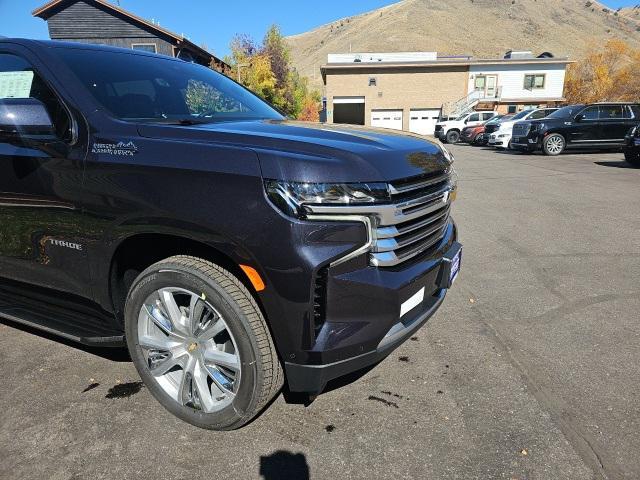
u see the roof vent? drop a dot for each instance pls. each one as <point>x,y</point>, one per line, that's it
<point>546,55</point>
<point>513,54</point>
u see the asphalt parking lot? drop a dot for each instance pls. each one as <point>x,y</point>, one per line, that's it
<point>529,371</point>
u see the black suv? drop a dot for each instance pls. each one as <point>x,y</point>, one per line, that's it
<point>632,146</point>
<point>154,202</point>
<point>602,125</point>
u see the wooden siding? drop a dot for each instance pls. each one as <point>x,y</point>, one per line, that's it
<point>162,47</point>
<point>82,20</point>
<point>90,21</point>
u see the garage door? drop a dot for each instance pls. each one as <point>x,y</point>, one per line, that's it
<point>423,122</point>
<point>386,119</point>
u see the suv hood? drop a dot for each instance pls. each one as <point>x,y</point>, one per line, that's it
<point>508,125</point>
<point>314,152</point>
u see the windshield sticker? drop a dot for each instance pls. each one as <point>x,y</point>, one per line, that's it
<point>15,84</point>
<point>121,148</point>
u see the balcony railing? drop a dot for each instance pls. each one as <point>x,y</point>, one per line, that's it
<point>465,104</point>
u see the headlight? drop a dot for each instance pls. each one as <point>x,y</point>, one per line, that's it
<point>537,127</point>
<point>447,154</point>
<point>291,197</point>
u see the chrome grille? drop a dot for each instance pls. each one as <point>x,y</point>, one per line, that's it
<point>491,128</point>
<point>421,213</point>
<point>413,222</point>
<point>521,129</point>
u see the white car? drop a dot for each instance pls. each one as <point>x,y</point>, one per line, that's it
<point>449,131</point>
<point>501,138</point>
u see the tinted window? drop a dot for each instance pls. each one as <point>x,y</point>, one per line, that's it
<point>565,112</point>
<point>18,79</point>
<point>635,109</point>
<point>590,113</point>
<point>145,88</point>
<point>626,112</point>
<point>487,116</point>
<point>611,112</point>
<point>474,118</point>
<point>520,115</point>
<point>537,114</point>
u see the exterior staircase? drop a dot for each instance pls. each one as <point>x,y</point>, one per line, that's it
<point>466,104</point>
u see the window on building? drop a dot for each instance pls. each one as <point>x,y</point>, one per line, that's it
<point>372,81</point>
<point>480,82</point>
<point>512,109</point>
<point>534,81</point>
<point>145,47</point>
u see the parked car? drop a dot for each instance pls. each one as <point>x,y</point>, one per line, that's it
<point>594,126</point>
<point>491,126</point>
<point>632,146</point>
<point>449,131</point>
<point>474,135</point>
<point>501,138</point>
<point>156,202</point>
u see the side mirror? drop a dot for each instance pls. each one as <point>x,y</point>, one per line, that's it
<point>466,121</point>
<point>579,117</point>
<point>26,118</point>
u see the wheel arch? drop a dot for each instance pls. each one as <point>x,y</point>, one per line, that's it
<point>136,252</point>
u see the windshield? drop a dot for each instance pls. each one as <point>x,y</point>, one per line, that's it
<point>520,115</point>
<point>144,88</point>
<point>566,112</point>
<point>498,119</point>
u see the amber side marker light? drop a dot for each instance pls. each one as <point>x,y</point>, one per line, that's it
<point>254,277</point>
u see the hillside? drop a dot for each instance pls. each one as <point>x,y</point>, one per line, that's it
<point>483,28</point>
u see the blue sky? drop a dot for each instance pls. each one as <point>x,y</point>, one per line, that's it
<point>213,22</point>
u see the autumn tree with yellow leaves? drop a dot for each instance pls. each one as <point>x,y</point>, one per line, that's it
<point>266,70</point>
<point>606,74</point>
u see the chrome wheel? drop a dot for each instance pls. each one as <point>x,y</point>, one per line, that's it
<point>189,349</point>
<point>555,144</point>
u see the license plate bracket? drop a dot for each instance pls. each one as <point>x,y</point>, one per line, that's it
<point>450,268</point>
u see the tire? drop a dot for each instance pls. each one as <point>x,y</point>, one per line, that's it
<point>453,136</point>
<point>216,370</point>
<point>554,144</point>
<point>632,159</point>
<point>476,141</point>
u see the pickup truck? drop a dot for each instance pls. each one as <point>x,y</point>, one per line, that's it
<point>154,203</point>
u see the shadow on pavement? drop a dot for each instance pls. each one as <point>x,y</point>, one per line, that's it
<point>618,164</point>
<point>284,465</point>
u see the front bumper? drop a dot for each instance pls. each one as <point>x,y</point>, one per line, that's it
<point>365,309</point>
<point>529,143</point>
<point>497,141</point>
<point>631,145</point>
